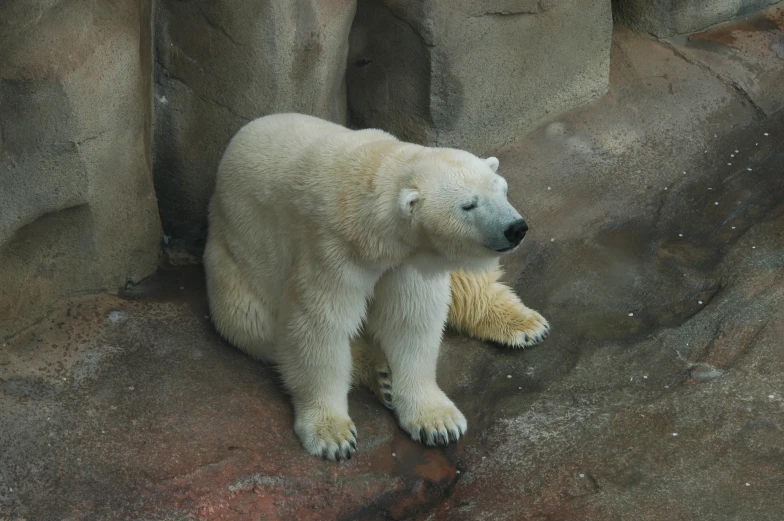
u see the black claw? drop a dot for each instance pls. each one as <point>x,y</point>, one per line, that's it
<point>383,374</point>
<point>354,432</point>
<point>386,385</point>
<point>443,439</point>
<point>337,455</point>
<point>324,453</point>
<point>348,454</point>
<point>388,396</point>
<point>422,434</point>
<point>353,444</point>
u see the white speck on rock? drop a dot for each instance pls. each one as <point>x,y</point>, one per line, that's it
<point>674,434</point>
<point>549,187</point>
<point>552,240</point>
<point>116,316</point>
<point>749,169</point>
<point>753,247</point>
<point>457,471</point>
<point>509,376</point>
<point>699,302</point>
<point>631,314</point>
<point>772,396</point>
<point>393,454</point>
<point>736,151</point>
<point>665,187</point>
<point>78,459</point>
<point>645,376</point>
<point>716,203</point>
<point>732,155</point>
<point>130,388</point>
<point>582,476</point>
<point>765,134</point>
<point>182,287</point>
<point>520,388</point>
<point>680,235</point>
<point>666,386</point>
<point>733,227</point>
<point>729,164</point>
<point>748,484</point>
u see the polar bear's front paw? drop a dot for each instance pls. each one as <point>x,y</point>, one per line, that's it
<point>529,329</point>
<point>435,423</point>
<point>326,435</point>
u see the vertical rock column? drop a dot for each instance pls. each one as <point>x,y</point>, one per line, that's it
<point>220,64</point>
<point>475,74</point>
<point>77,204</point>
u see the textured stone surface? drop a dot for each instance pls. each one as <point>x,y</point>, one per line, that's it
<point>671,17</point>
<point>759,55</point>
<point>77,206</point>
<point>472,74</point>
<point>222,63</point>
<point>131,407</point>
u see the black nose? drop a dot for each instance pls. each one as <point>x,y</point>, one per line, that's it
<point>516,231</point>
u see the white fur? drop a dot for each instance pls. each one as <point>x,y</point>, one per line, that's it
<point>311,221</point>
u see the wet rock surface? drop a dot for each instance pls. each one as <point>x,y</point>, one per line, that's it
<point>659,395</point>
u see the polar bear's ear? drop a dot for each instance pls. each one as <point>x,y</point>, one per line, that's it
<point>406,201</point>
<point>492,162</point>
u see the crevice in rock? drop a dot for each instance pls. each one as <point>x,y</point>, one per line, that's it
<point>174,77</point>
<point>218,28</point>
<point>759,113</point>
<point>413,28</point>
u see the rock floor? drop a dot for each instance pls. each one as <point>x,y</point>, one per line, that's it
<point>656,251</point>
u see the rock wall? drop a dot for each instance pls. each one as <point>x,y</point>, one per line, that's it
<point>220,64</point>
<point>77,204</point>
<point>665,18</point>
<point>473,74</point>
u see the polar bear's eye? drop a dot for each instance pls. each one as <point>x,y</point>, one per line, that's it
<point>470,206</point>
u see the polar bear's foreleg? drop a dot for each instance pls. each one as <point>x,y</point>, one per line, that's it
<point>487,309</point>
<point>314,359</point>
<point>407,319</point>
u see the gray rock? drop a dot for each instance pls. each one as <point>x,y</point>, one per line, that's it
<point>670,17</point>
<point>78,208</point>
<point>473,74</point>
<point>220,64</point>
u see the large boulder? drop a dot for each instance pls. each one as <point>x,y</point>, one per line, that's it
<point>77,204</point>
<point>220,64</point>
<point>665,18</point>
<point>474,74</point>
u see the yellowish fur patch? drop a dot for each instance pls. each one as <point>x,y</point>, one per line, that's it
<point>484,308</point>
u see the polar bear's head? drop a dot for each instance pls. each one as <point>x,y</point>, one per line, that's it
<point>457,202</point>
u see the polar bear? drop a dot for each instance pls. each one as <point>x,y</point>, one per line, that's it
<point>338,255</point>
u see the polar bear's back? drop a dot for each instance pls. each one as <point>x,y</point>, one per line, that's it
<point>280,152</point>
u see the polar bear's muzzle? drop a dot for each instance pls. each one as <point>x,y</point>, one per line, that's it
<point>514,233</point>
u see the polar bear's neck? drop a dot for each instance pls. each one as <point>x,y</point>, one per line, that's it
<point>369,219</point>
